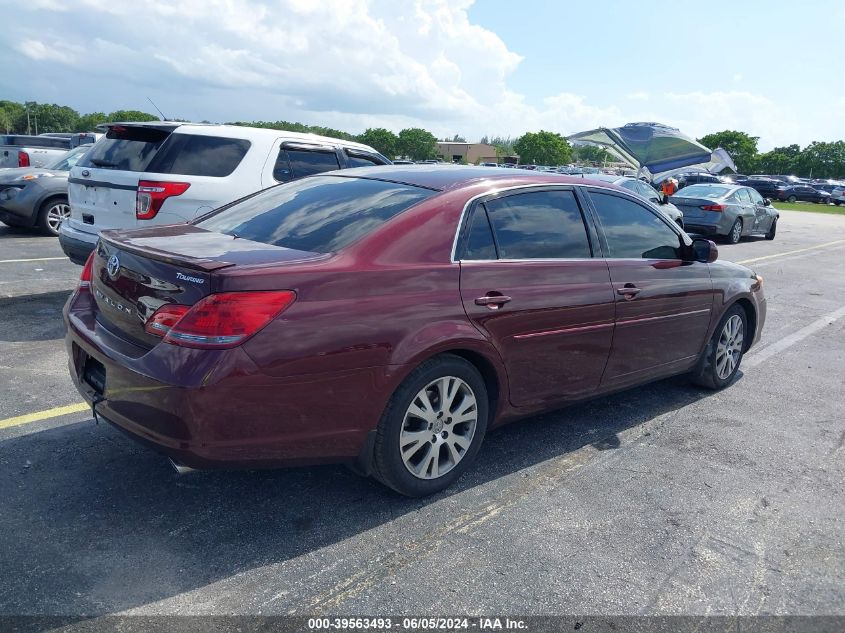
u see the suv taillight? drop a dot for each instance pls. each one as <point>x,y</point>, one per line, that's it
<point>23,159</point>
<point>219,320</point>
<point>151,195</point>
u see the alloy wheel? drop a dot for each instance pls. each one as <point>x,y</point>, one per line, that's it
<point>438,427</point>
<point>729,347</point>
<point>57,214</point>
<point>736,232</point>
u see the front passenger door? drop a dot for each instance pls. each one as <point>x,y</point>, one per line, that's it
<point>663,301</point>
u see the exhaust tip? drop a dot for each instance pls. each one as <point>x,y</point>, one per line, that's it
<point>181,469</point>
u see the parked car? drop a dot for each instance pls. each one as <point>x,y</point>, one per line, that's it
<point>642,188</point>
<point>837,196</point>
<point>389,318</point>
<point>685,180</point>
<point>165,172</point>
<point>18,150</point>
<point>805,193</point>
<point>37,196</point>
<point>766,187</point>
<point>730,211</point>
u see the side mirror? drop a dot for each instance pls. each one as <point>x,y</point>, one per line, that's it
<point>767,202</point>
<point>704,250</point>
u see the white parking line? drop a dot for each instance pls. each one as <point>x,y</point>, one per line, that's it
<point>36,259</point>
<point>755,358</point>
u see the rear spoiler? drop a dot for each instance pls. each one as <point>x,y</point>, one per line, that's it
<point>197,263</point>
<point>163,126</point>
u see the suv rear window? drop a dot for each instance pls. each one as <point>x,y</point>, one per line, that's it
<point>321,214</point>
<point>126,149</point>
<point>194,155</point>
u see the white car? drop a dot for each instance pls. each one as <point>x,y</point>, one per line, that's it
<point>837,196</point>
<point>142,174</point>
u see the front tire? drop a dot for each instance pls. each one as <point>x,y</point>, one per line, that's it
<point>791,199</point>
<point>735,234</point>
<point>52,214</point>
<point>720,360</point>
<point>773,229</point>
<point>432,427</point>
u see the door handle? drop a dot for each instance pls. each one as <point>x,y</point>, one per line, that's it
<point>492,301</point>
<point>629,291</point>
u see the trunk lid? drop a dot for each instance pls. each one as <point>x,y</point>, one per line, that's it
<point>136,272</point>
<point>691,207</point>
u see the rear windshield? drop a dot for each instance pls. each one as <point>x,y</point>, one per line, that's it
<point>159,151</point>
<point>126,149</point>
<point>703,191</point>
<point>320,214</point>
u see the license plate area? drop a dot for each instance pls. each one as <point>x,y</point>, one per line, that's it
<point>94,375</point>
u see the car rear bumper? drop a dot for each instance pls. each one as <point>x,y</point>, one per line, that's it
<point>214,408</point>
<point>701,229</point>
<point>76,244</point>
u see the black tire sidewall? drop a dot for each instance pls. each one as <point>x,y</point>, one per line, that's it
<point>720,383</point>
<point>389,467</point>
<point>42,215</point>
<point>772,230</point>
<point>731,239</point>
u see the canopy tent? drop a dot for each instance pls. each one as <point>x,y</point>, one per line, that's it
<point>653,147</point>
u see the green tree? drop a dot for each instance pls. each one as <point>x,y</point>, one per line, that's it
<point>131,115</point>
<point>417,143</point>
<point>741,146</point>
<point>543,148</point>
<point>591,154</point>
<point>457,139</point>
<point>382,140</point>
<point>12,117</point>
<point>89,122</point>
<point>781,160</point>
<point>54,118</point>
<point>822,160</point>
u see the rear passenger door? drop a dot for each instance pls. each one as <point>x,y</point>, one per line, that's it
<point>663,302</point>
<point>761,211</point>
<point>530,284</point>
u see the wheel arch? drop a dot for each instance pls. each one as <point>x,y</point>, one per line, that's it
<point>750,319</point>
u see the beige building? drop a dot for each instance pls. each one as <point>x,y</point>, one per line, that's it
<point>472,153</point>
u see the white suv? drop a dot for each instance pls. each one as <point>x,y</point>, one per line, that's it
<point>164,172</point>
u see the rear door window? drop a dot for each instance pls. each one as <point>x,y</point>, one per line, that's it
<point>539,225</point>
<point>194,155</point>
<point>357,159</point>
<point>634,232</point>
<point>295,163</point>
<point>479,243</point>
<point>321,214</point>
<point>126,148</point>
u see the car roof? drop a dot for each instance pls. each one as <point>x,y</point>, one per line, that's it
<point>239,131</point>
<point>445,177</point>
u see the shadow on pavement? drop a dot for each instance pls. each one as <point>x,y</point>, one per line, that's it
<point>33,317</point>
<point>92,523</point>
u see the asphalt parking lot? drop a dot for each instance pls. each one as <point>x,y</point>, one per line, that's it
<point>662,500</point>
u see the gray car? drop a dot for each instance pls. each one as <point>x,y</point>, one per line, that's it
<point>729,211</point>
<point>644,190</point>
<point>37,196</point>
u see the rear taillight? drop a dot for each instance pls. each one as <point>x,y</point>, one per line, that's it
<point>219,320</point>
<point>151,195</point>
<point>23,159</point>
<point>165,318</point>
<point>87,272</point>
<point>714,207</point>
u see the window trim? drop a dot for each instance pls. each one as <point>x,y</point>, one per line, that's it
<point>588,190</point>
<point>478,201</point>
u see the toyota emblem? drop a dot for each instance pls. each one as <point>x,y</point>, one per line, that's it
<point>113,266</point>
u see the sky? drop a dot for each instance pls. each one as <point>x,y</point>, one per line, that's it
<point>474,68</point>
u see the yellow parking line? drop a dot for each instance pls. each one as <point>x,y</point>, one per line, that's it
<point>43,415</point>
<point>800,250</point>
<point>36,259</point>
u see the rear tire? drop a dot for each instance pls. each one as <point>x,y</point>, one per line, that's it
<point>432,428</point>
<point>773,229</point>
<point>719,363</point>
<point>791,199</point>
<point>52,214</point>
<point>735,234</point>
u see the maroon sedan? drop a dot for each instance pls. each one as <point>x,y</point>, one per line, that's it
<point>388,317</point>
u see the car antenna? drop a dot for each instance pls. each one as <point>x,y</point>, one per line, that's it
<point>163,118</point>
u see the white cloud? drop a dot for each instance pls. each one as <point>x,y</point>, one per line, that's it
<point>341,63</point>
